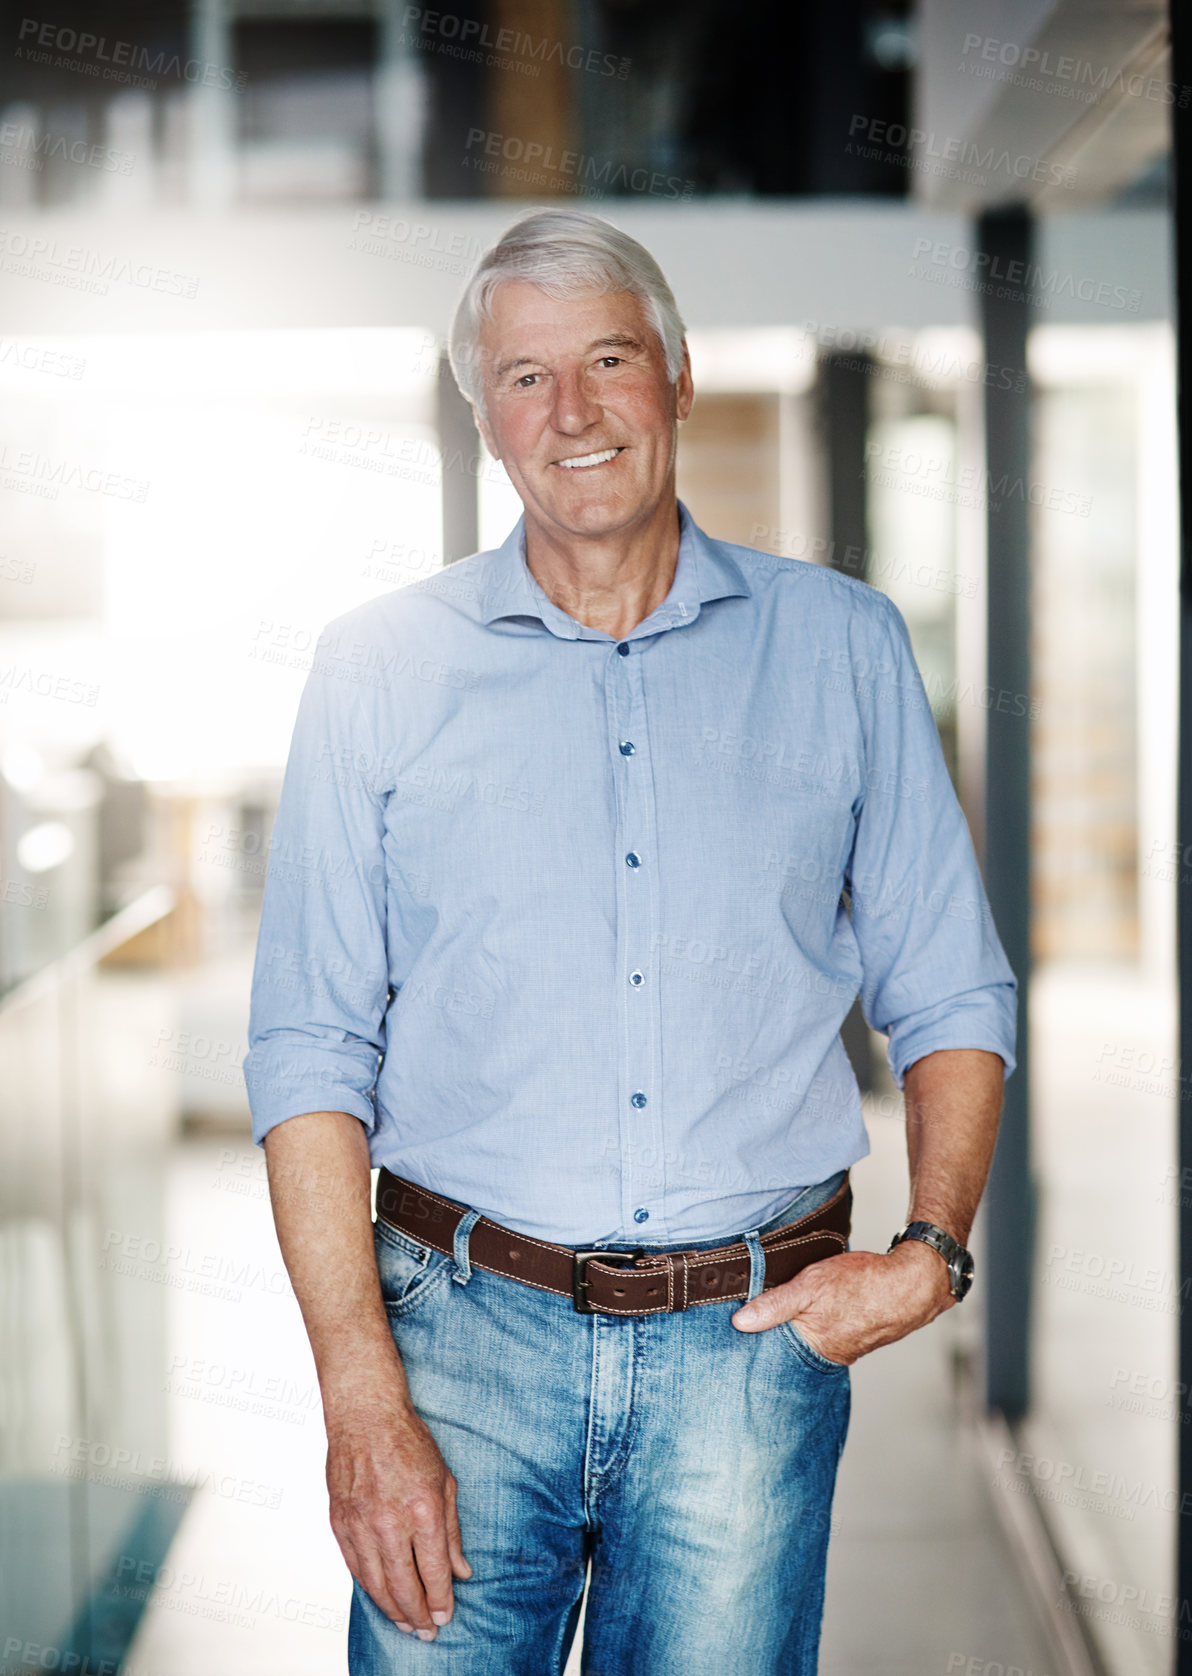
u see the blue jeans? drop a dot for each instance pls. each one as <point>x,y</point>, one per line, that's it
<point>691,1464</point>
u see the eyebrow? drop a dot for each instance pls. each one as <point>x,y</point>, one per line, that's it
<point>618,340</point>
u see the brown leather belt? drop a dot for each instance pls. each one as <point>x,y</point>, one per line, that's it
<point>612,1282</point>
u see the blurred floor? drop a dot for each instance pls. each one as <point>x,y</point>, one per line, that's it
<point>919,1578</point>
<point>253,1584</point>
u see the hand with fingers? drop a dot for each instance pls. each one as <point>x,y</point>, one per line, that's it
<point>393,1512</point>
<point>847,1306</point>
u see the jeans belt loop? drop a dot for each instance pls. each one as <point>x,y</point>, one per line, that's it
<point>459,1247</point>
<point>757,1264</point>
<point>665,1283</point>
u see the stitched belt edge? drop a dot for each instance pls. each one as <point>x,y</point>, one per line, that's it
<point>659,1283</point>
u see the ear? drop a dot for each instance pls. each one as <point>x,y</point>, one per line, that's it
<point>684,387</point>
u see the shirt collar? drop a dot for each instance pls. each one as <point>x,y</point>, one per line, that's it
<point>704,571</point>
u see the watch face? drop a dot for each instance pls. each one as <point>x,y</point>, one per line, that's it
<point>961,1268</point>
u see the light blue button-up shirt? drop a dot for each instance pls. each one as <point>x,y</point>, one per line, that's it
<point>571,924</point>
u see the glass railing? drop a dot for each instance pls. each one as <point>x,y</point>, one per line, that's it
<point>86,1117</point>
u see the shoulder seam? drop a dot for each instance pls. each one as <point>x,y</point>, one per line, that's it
<point>801,567</point>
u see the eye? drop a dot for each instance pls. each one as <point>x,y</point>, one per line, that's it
<point>610,360</point>
<point>523,383</point>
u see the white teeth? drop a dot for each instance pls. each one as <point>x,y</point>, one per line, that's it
<point>590,459</point>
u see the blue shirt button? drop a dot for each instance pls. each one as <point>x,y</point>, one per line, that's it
<point>623,648</point>
<point>633,859</point>
<point>636,979</point>
<point>627,747</point>
<point>641,1216</point>
<point>637,1099</point>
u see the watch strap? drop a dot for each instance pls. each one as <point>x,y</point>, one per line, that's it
<point>931,1235</point>
<point>959,1261</point>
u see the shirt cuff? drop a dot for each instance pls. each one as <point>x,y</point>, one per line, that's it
<point>940,1037</point>
<point>314,1095</point>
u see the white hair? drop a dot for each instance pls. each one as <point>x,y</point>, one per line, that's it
<point>562,251</point>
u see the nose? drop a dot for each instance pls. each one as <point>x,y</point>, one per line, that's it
<point>575,408</point>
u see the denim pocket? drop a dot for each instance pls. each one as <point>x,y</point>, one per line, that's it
<point>408,1269</point>
<point>805,1352</point>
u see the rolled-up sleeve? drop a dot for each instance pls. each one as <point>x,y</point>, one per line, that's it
<point>935,974</point>
<point>320,984</point>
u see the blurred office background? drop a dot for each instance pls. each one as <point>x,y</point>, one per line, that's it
<point>232,233</point>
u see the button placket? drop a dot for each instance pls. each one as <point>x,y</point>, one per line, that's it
<point>637,910</point>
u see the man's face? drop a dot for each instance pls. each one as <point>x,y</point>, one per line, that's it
<point>580,411</point>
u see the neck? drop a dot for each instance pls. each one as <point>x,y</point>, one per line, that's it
<point>609,582</point>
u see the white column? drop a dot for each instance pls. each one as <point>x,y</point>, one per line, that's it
<point>212,107</point>
<point>400,93</point>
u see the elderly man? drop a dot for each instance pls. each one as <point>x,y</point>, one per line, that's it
<point>585,847</point>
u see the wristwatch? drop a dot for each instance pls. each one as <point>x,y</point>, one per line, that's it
<point>959,1261</point>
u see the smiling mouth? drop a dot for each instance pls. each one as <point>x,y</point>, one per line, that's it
<point>580,462</point>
